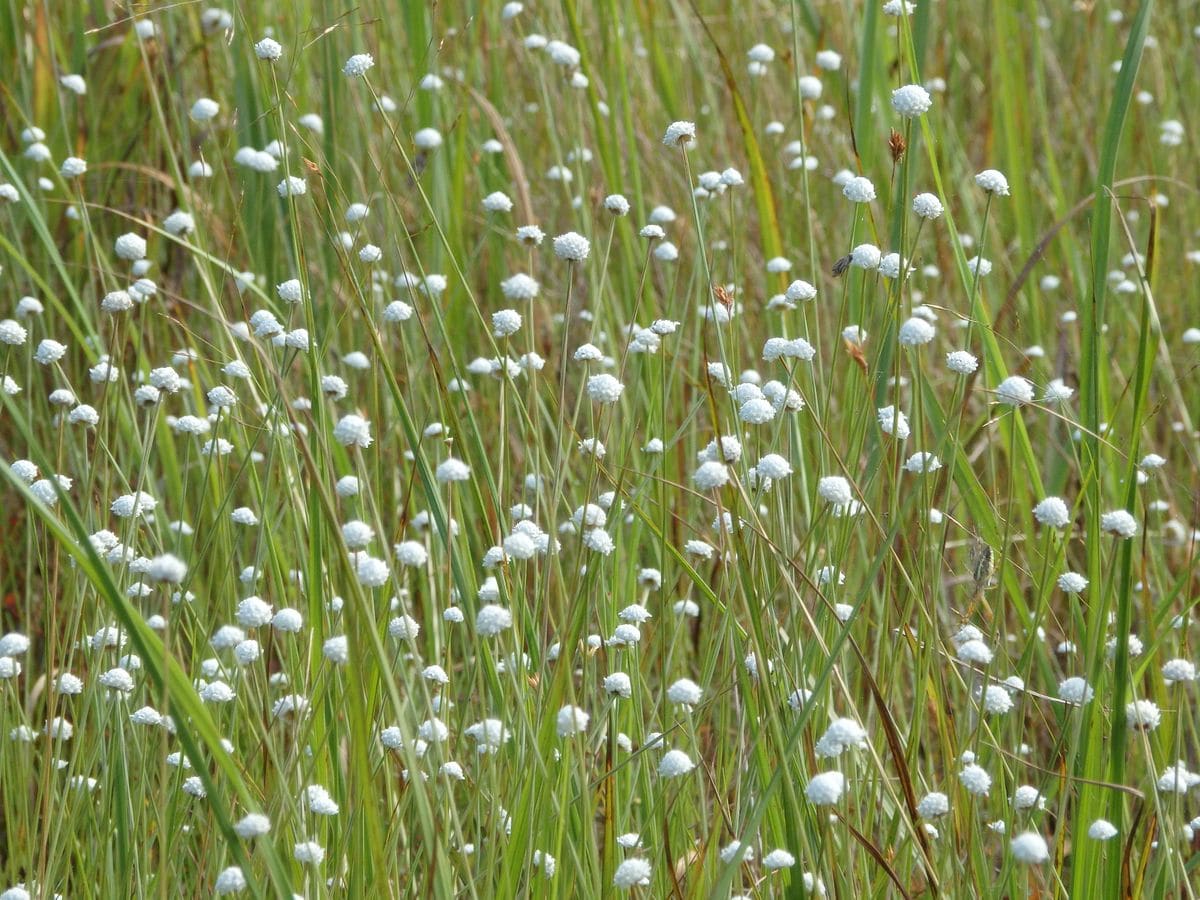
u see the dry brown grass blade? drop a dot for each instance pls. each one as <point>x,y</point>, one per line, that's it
<point>877,855</point>
<point>856,354</point>
<point>902,773</point>
<point>510,152</point>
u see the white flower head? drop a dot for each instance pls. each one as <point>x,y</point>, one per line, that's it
<point>572,247</point>
<point>911,101</point>
<point>680,134</point>
<point>357,65</point>
<point>993,182</point>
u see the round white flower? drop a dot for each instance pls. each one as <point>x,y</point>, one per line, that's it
<point>1052,512</point>
<point>572,247</point>
<point>826,788</point>
<point>916,331</point>
<point>1076,691</point>
<point>268,49</point>
<point>1101,830</point>
<point>993,182</point>
<point>911,100</point>
<point>778,859</point>
<point>492,619</point>
<point>571,720</point>
<point>674,764</point>
<point>927,206</point>
<point>933,804</point>
<point>358,64</point>
<point>204,109</point>
<point>1014,391</point>
<point>631,873</point>
<point>680,134</point>
<point>604,388</point>
<point>353,431</point>
<point>1119,522</point>
<point>961,362</point>
<point>1030,847</point>
<point>859,189</point>
<point>835,489</point>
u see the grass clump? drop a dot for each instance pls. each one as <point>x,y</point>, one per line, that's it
<point>576,449</point>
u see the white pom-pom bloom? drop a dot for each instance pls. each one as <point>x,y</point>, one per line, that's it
<point>497,201</point>
<point>268,49</point>
<point>800,290</point>
<point>352,431</point>
<point>773,466</point>
<point>631,873</point>
<point>1142,715</point>
<point>230,881</point>
<point>835,489</point>
<point>168,568</point>
<point>736,850</point>
<point>675,763</point>
<point>292,186</point>
<point>859,189</point>
<point>922,463</point>
<point>451,470</point>
<point>680,134</point>
<point>604,388</point>
<point>1014,391</point>
<point>1030,847</point>
<point>1052,512</point>
<point>74,83</point>
<point>927,206</point>
<point>1101,830</point>
<point>616,204</point>
<point>866,256</point>
<point>1120,523</point>
<point>829,60</point>
<point>756,411</point>
<point>618,685</point>
<point>893,422</point>
<point>685,692</point>
<point>1178,670</point>
<point>778,859</point>
<point>975,779</point>
<point>911,100</point>
<point>519,287</point>
<point>710,476</point>
<point>571,720</point>
<point>506,322</point>
<point>826,788</point>
<point>916,331</point>
<point>72,166</point>
<point>1076,691</point>
<point>841,735</point>
<point>783,348</point>
<point>997,700</point>
<point>1072,582</point>
<point>252,826</point>
<point>932,805</point>
<point>975,651</point>
<point>204,109</point>
<point>961,362</point>
<point>993,182</point>
<point>357,65</point>
<point>492,619</point>
<point>809,87</point>
<point>131,247</point>
<point>572,247</point>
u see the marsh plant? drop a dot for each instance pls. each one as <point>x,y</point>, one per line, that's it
<point>580,449</point>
